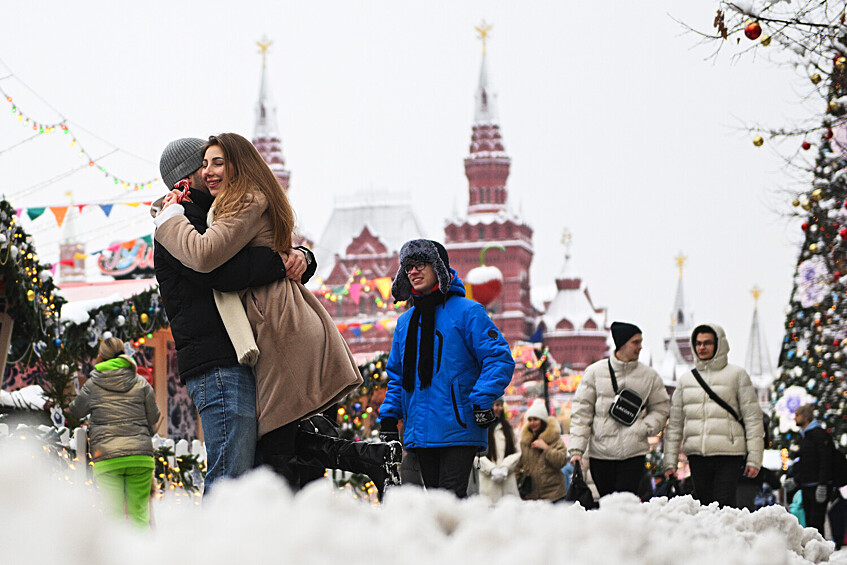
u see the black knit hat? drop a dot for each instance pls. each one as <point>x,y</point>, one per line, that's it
<point>179,159</point>
<point>421,251</point>
<point>622,332</point>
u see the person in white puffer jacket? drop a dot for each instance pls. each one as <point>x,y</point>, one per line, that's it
<point>718,446</point>
<point>617,452</point>
<point>497,465</point>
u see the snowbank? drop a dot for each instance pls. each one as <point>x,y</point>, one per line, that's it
<point>256,520</point>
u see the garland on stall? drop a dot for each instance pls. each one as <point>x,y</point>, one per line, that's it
<point>27,292</point>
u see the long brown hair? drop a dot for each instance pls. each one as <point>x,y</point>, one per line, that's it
<point>246,172</point>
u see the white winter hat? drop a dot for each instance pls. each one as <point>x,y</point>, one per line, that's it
<point>537,410</point>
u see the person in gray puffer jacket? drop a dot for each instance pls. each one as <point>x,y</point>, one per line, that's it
<point>123,418</point>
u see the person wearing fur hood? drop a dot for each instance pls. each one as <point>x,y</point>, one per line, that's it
<point>720,446</point>
<point>122,421</point>
<point>497,465</point>
<point>543,455</point>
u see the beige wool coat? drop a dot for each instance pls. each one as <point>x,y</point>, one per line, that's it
<point>545,467</point>
<point>304,364</point>
<point>701,426</point>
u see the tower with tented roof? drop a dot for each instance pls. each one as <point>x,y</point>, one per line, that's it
<point>489,221</point>
<point>678,357</point>
<point>266,136</point>
<point>758,362</point>
<point>574,329</point>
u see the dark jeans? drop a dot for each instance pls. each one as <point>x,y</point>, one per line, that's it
<point>838,521</point>
<point>815,511</point>
<point>613,475</point>
<point>716,478</point>
<point>447,467</point>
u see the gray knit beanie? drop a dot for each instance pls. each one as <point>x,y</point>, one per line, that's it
<point>179,159</point>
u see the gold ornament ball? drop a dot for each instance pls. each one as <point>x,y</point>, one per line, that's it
<point>144,318</point>
<point>758,141</point>
<point>795,202</point>
<point>841,63</point>
<point>766,40</point>
<point>30,295</point>
<point>813,247</point>
<point>816,194</point>
<point>807,206</point>
<point>834,106</point>
<point>815,78</point>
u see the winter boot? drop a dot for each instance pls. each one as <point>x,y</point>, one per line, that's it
<point>379,461</point>
<point>277,449</point>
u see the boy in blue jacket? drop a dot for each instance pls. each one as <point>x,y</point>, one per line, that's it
<point>447,366</point>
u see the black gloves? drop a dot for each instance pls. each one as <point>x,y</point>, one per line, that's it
<point>484,417</point>
<point>388,430</point>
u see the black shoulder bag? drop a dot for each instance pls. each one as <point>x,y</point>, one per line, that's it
<point>627,403</point>
<point>721,402</point>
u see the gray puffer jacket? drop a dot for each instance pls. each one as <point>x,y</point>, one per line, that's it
<point>122,407</point>
<point>699,423</point>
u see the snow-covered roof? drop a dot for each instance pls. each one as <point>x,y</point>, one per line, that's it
<point>389,216</point>
<point>86,296</point>
<point>574,305</point>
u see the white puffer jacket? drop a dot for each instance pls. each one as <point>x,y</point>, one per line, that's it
<point>701,425</point>
<point>489,488</point>
<point>593,429</point>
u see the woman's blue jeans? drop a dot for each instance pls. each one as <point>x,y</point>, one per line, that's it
<point>225,397</point>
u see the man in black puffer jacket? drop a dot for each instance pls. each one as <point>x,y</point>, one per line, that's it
<point>223,391</point>
<point>813,469</point>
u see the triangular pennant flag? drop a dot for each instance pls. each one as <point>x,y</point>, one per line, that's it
<point>148,239</point>
<point>80,207</point>
<point>128,244</point>
<point>107,209</point>
<point>357,332</point>
<point>133,204</point>
<point>383,285</point>
<point>355,292</point>
<point>18,212</point>
<point>148,203</point>
<point>341,328</point>
<point>59,212</point>
<point>366,327</point>
<point>34,213</point>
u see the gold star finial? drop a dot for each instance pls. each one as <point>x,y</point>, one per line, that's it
<point>680,261</point>
<point>756,292</point>
<point>264,45</point>
<point>483,30</point>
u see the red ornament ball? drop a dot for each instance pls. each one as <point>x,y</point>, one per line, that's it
<point>753,30</point>
<point>843,233</point>
<point>804,226</point>
<point>806,145</point>
<point>827,134</point>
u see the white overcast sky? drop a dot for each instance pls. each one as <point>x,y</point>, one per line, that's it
<point>619,125</point>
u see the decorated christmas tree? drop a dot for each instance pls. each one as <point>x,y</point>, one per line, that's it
<point>811,36</point>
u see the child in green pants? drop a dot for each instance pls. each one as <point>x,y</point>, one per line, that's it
<point>123,418</point>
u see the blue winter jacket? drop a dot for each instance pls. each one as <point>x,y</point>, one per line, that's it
<point>472,366</point>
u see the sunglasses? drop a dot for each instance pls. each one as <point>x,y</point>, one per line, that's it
<point>419,267</point>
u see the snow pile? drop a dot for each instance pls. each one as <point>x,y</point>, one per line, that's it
<point>257,520</point>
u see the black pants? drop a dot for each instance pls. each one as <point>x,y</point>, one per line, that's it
<point>838,521</point>
<point>617,475</point>
<point>716,478</point>
<point>815,511</point>
<point>447,467</point>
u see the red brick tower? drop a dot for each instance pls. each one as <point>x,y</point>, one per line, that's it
<point>266,134</point>
<point>574,328</point>
<point>489,222</point>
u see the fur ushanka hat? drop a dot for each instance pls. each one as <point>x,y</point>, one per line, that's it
<point>421,251</point>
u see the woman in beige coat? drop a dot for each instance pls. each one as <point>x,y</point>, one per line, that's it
<point>304,365</point>
<point>543,455</point>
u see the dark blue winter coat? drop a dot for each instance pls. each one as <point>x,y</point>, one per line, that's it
<point>472,366</point>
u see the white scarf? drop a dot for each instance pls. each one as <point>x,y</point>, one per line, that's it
<point>235,319</point>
